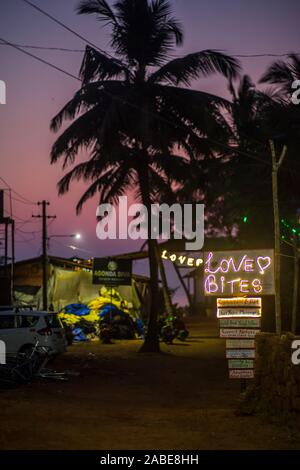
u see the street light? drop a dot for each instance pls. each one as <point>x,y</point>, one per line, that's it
<point>77,236</point>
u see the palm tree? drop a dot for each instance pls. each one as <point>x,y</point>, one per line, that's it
<point>135,114</point>
<point>251,119</point>
<point>283,74</point>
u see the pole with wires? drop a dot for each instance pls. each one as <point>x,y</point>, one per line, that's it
<point>275,167</point>
<point>44,218</point>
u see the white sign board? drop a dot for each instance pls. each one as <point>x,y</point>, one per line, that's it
<point>225,312</point>
<point>240,364</point>
<point>237,333</point>
<point>240,322</point>
<point>240,353</point>
<point>241,374</point>
<point>239,302</point>
<point>240,343</point>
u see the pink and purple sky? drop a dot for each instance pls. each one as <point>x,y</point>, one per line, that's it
<point>36,92</point>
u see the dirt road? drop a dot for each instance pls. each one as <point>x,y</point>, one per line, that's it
<point>181,399</point>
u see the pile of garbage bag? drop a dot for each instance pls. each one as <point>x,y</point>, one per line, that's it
<point>83,322</point>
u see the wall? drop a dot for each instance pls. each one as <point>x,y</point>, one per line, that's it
<point>276,388</point>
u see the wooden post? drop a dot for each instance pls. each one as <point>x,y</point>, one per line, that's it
<point>186,290</point>
<point>295,288</point>
<point>165,287</point>
<point>275,167</point>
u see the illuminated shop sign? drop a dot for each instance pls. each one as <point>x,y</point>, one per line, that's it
<point>248,272</point>
<point>238,312</point>
<point>181,259</point>
<point>240,302</point>
<point>239,307</point>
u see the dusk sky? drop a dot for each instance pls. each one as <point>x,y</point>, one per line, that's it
<point>35,93</point>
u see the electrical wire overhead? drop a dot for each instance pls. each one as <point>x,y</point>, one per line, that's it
<point>24,199</point>
<point>63,25</point>
<point>81,51</point>
<point>225,146</point>
<point>45,62</point>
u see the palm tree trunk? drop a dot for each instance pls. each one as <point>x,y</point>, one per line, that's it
<point>165,287</point>
<point>151,343</point>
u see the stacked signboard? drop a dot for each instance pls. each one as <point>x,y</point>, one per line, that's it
<point>240,321</point>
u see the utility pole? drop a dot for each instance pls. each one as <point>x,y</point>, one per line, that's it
<point>44,218</point>
<point>12,270</point>
<point>275,167</point>
<point>7,281</point>
<point>295,288</point>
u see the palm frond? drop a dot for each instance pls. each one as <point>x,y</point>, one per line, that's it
<point>109,185</point>
<point>119,182</point>
<point>87,96</point>
<point>84,171</point>
<point>97,66</point>
<point>199,64</point>
<point>88,194</point>
<point>283,74</point>
<point>182,106</point>
<point>81,133</point>
<point>98,7</point>
<point>161,10</point>
<point>145,31</point>
<point>278,73</point>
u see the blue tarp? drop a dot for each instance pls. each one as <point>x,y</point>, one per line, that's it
<point>78,335</point>
<point>107,313</point>
<point>140,327</point>
<point>77,309</point>
<point>110,309</point>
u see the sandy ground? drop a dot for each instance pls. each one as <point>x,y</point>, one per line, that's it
<point>181,399</point>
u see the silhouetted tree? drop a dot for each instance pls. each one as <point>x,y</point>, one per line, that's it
<point>136,115</point>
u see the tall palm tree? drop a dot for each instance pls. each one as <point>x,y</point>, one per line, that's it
<point>256,117</point>
<point>134,113</point>
<point>249,166</point>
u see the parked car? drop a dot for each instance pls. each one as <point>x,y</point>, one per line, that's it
<point>20,329</point>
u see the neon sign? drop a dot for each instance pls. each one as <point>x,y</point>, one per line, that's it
<point>239,272</point>
<point>182,259</point>
<point>239,307</point>
<point>239,302</point>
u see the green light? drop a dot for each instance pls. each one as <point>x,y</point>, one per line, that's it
<point>245,219</point>
<point>294,230</point>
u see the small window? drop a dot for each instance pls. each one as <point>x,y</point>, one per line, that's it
<point>53,321</point>
<point>27,321</point>
<point>7,322</point>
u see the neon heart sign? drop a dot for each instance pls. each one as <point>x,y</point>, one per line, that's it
<point>263,262</point>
